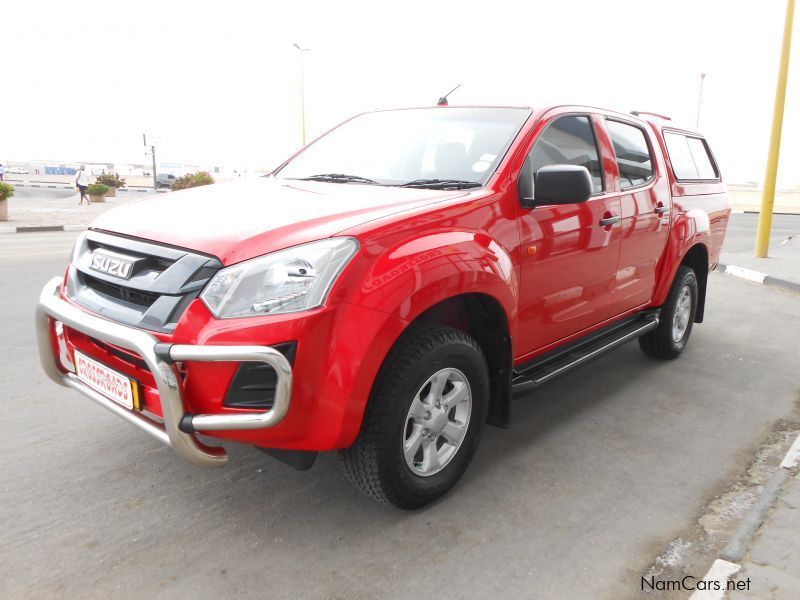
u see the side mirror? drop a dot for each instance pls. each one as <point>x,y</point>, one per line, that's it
<point>560,184</point>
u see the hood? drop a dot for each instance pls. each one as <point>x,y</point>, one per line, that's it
<point>239,220</point>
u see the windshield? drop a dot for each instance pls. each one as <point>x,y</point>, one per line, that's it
<point>422,147</point>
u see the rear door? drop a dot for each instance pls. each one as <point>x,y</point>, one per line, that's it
<point>568,257</point>
<point>645,210</point>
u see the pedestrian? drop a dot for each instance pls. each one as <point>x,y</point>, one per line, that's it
<point>2,171</point>
<point>82,181</point>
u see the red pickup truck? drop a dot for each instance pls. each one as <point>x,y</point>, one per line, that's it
<point>381,292</point>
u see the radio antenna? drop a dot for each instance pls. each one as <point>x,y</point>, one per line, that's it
<point>443,100</point>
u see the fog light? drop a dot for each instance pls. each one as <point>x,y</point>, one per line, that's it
<point>64,355</point>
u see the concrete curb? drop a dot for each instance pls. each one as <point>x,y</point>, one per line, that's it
<point>72,187</point>
<point>758,212</point>
<point>742,538</point>
<point>759,277</point>
<point>42,185</point>
<point>740,542</point>
<point>41,228</point>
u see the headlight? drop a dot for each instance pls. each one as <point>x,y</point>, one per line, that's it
<point>290,280</point>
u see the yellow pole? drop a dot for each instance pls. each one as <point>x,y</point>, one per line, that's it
<point>768,198</point>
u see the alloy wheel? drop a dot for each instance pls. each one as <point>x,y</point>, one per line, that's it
<point>437,422</point>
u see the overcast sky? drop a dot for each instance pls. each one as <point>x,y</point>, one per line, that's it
<point>220,80</point>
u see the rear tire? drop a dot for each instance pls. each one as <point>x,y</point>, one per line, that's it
<point>669,339</point>
<point>424,418</point>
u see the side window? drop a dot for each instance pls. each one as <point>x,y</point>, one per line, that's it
<point>633,154</point>
<point>702,160</point>
<point>568,141</point>
<point>689,157</point>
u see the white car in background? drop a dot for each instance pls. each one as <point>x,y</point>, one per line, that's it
<point>17,171</point>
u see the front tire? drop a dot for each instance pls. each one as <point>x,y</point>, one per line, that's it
<point>669,339</point>
<point>424,418</point>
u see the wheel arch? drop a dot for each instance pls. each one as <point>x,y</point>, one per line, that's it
<point>696,258</point>
<point>461,278</point>
<point>689,244</point>
<point>482,317</point>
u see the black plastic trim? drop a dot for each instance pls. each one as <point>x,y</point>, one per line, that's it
<point>185,424</point>
<point>302,460</point>
<point>253,385</point>
<point>161,350</point>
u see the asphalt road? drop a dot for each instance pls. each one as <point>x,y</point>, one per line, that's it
<point>741,236</point>
<point>41,193</point>
<point>598,473</point>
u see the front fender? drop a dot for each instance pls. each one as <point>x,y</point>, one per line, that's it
<point>402,282</point>
<point>689,228</point>
<point>409,278</point>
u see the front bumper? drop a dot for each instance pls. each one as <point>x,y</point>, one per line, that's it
<point>178,427</point>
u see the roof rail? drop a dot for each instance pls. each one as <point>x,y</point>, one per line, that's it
<point>636,113</point>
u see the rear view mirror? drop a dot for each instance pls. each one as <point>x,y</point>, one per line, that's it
<point>560,184</point>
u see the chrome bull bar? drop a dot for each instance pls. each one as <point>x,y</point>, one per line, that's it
<point>177,430</point>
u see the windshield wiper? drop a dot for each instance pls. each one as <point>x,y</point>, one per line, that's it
<point>340,178</point>
<point>441,184</point>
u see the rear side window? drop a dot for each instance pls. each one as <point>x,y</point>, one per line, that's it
<point>705,168</point>
<point>633,154</point>
<point>568,140</point>
<point>690,157</point>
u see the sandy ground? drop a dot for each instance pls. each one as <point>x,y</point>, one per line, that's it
<point>745,198</point>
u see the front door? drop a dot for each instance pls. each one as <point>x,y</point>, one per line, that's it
<point>568,253</point>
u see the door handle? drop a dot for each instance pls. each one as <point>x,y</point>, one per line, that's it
<point>609,221</point>
<point>660,210</point>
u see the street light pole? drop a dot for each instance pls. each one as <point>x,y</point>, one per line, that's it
<point>155,176</point>
<point>700,101</point>
<point>302,91</point>
<point>768,197</point>
<point>153,154</point>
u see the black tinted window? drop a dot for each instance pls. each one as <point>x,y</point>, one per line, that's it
<point>633,154</point>
<point>689,157</point>
<point>568,141</point>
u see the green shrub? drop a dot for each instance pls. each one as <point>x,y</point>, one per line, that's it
<point>6,191</point>
<point>192,180</point>
<point>111,180</point>
<point>97,189</point>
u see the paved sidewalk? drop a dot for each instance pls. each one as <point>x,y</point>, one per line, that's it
<point>773,562</point>
<point>781,268</point>
<point>36,208</point>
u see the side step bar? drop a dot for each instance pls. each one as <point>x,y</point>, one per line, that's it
<point>548,366</point>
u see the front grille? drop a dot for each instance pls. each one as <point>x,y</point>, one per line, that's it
<point>119,292</point>
<point>161,283</point>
